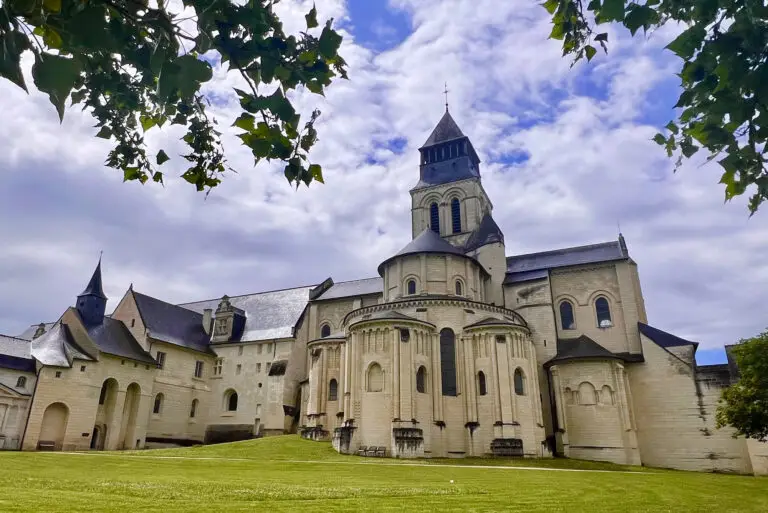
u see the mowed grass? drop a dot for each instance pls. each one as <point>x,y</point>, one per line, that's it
<point>290,474</point>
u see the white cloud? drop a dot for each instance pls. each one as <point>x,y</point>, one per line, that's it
<point>591,164</point>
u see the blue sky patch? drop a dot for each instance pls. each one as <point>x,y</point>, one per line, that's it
<point>377,25</point>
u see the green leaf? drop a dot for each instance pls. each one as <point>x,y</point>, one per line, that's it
<point>640,16</point>
<point>660,139</point>
<point>686,44</point>
<point>104,133</point>
<point>688,148</point>
<point>162,158</point>
<point>330,41</point>
<point>316,172</point>
<point>613,10</point>
<point>594,6</point>
<point>551,6</point>
<point>590,51</point>
<point>192,72</point>
<point>11,47</point>
<point>557,32</point>
<point>602,37</point>
<point>672,127</point>
<point>147,122</point>
<point>311,18</point>
<point>245,121</point>
<point>52,5</point>
<point>55,75</point>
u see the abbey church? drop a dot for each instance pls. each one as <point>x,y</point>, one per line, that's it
<point>452,349</point>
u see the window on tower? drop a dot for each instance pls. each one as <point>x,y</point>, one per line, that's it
<point>456,215</point>
<point>434,218</point>
<point>411,287</point>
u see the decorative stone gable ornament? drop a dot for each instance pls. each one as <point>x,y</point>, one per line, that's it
<point>224,305</point>
<point>39,331</point>
<point>229,321</point>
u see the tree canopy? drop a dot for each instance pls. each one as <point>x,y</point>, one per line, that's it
<point>723,107</point>
<point>744,405</point>
<point>135,65</point>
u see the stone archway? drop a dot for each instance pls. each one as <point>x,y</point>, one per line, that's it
<point>129,419</point>
<point>54,427</point>
<point>105,414</point>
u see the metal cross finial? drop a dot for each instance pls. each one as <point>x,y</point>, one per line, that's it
<point>100,254</point>
<point>446,96</point>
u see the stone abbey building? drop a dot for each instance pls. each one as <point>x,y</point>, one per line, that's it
<point>455,349</point>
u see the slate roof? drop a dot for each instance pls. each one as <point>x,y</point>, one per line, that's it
<point>593,253</point>
<point>113,337</point>
<point>269,315</point>
<point>490,321</point>
<point>580,348</point>
<point>353,288</point>
<point>173,324</point>
<point>487,232</point>
<point>445,130</point>
<point>662,338</point>
<point>16,354</point>
<point>387,315</point>
<point>94,287</point>
<point>525,276</point>
<point>57,348</point>
<point>28,333</point>
<point>426,242</point>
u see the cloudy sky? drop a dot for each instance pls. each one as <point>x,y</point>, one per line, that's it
<point>566,157</point>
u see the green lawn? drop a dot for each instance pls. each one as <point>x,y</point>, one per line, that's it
<point>290,474</point>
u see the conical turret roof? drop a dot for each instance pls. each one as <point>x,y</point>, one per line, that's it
<point>426,242</point>
<point>445,130</point>
<point>94,286</point>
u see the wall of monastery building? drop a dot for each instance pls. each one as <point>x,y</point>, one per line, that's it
<point>676,427</point>
<point>493,258</point>
<point>14,405</point>
<point>582,286</point>
<point>75,394</point>
<point>128,312</point>
<point>595,412</point>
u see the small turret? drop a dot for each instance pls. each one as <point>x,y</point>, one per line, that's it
<point>92,303</point>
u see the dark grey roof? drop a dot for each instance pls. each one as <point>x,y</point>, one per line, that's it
<point>603,252</point>
<point>28,333</point>
<point>387,315</point>
<point>487,233</point>
<point>526,276</point>
<point>113,337</point>
<point>94,286</point>
<point>173,324</point>
<point>426,242</point>
<point>662,338</point>
<point>353,288</point>
<point>269,315</point>
<point>447,171</point>
<point>490,321</point>
<point>579,348</point>
<point>16,354</point>
<point>57,348</point>
<point>445,130</point>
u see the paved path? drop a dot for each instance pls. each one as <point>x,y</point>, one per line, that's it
<point>384,463</point>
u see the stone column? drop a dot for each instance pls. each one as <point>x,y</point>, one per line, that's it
<point>115,423</point>
<point>396,384</point>
<point>342,386</point>
<point>562,434</point>
<point>437,396</point>
<point>348,375</point>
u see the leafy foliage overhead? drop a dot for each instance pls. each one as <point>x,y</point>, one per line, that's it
<point>744,405</point>
<point>135,65</point>
<point>724,74</point>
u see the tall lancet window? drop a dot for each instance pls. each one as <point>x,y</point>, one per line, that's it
<point>456,215</point>
<point>434,218</point>
<point>448,361</point>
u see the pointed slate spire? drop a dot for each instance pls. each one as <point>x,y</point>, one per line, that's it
<point>445,130</point>
<point>94,287</point>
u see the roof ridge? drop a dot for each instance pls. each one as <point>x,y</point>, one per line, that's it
<point>251,294</point>
<point>359,279</point>
<point>16,338</point>
<point>550,251</point>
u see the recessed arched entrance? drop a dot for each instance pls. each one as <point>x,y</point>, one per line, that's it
<point>105,414</point>
<point>53,427</point>
<point>130,414</point>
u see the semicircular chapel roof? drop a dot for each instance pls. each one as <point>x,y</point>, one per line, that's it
<point>426,242</point>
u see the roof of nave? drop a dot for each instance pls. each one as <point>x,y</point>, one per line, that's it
<point>113,337</point>
<point>662,338</point>
<point>353,288</point>
<point>15,353</point>
<point>269,315</point>
<point>487,232</point>
<point>542,261</point>
<point>583,348</point>
<point>173,324</point>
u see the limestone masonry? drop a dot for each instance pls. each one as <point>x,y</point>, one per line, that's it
<point>454,350</point>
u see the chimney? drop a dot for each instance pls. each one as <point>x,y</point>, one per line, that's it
<point>207,320</point>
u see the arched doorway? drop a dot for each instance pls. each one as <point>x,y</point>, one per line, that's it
<point>96,437</point>
<point>53,427</point>
<point>105,414</point>
<point>130,413</point>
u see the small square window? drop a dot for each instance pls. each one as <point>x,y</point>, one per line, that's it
<point>259,385</point>
<point>58,374</point>
<point>122,362</point>
<point>133,323</point>
<point>240,351</point>
<point>160,359</point>
<point>268,366</point>
<point>405,335</point>
<point>259,349</point>
<point>501,339</point>
<point>238,369</point>
<point>198,369</point>
<point>258,368</point>
<point>82,368</point>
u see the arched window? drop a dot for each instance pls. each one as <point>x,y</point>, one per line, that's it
<point>519,382</point>
<point>421,380</point>
<point>375,378</point>
<point>21,382</point>
<point>482,387</point>
<point>325,331</point>
<point>459,288</point>
<point>434,218</point>
<point>411,287</point>
<point>606,395</point>
<point>230,400</point>
<point>158,406</point>
<point>603,313</point>
<point>587,393</point>
<point>566,315</point>
<point>193,410</point>
<point>456,215</point>
<point>448,361</point>
<point>333,390</point>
